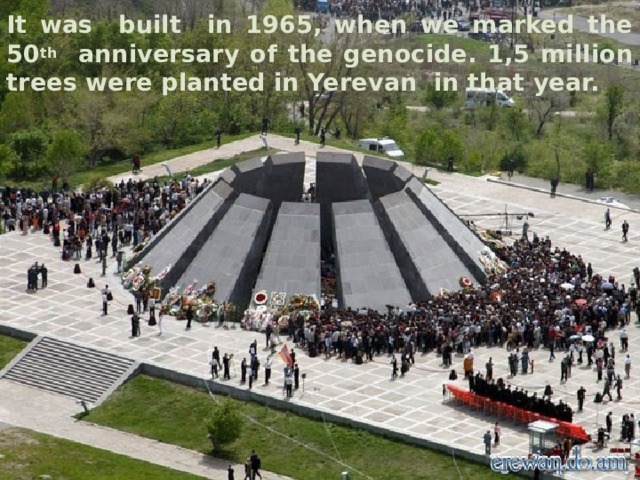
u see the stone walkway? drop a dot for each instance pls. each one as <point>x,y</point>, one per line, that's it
<point>412,405</point>
<point>22,406</point>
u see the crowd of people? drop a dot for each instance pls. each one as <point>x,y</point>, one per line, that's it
<point>548,298</point>
<point>500,391</point>
<point>125,215</point>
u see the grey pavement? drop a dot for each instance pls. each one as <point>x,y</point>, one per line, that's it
<point>412,405</point>
<point>573,190</point>
<point>26,407</point>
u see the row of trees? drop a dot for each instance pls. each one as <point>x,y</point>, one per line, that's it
<point>55,133</point>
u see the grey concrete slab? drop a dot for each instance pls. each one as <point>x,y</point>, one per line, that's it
<point>367,272</point>
<point>436,265</point>
<point>292,261</point>
<point>231,255</point>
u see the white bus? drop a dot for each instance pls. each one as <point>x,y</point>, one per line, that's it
<point>484,97</point>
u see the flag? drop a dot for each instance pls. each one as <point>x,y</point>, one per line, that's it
<point>285,356</point>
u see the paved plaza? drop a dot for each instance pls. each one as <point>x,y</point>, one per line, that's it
<point>68,310</point>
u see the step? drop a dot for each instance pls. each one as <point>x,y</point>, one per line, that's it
<point>80,351</point>
<point>54,373</point>
<point>82,355</point>
<point>67,369</point>
<point>82,367</point>
<point>55,377</point>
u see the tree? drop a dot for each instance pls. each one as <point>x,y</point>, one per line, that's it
<point>436,145</point>
<point>542,108</point>
<point>225,423</point>
<point>439,99</point>
<point>30,145</point>
<point>7,158</point>
<point>613,101</point>
<point>65,153</point>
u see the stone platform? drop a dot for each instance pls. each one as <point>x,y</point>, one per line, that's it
<point>413,405</point>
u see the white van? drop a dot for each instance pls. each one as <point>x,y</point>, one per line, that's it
<point>484,97</point>
<point>382,145</point>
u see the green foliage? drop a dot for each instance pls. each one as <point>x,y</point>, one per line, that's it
<point>439,99</point>
<point>98,183</point>
<point>436,145</point>
<point>65,153</point>
<point>9,348</point>
<point>598,157</point>
<point>395,121</point>
<point>519,158</point>
<point>225,424</point>
<point>613,104</point>
<point>515,124</point>
<point>30,146</point>
<point>8,157</point>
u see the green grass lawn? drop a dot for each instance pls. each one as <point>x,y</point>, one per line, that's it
<point>175,414</point>
<point>9,348</point>
<point>32,455</point>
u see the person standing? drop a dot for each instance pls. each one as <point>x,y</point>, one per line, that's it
<point>581,396</point>
<point>323,136</point>
<point>135,325</point>
<point>160,322</point>
<point>487,443</point>
<point>619,387</point>
<point>43,273</point>
<point>489,367</point>
<point>247,469</point>
<point>296,377</point>
<point>189,317</point>
<point>625,231</point>
<point>609,423</point>
<point>243,370</point>
<point>267,371</point>
<point>298,131</point>
<point>105,299</point>
<point>554,186</point>
<point>607,219</point>
<point>607,389</point>
<point>151,305</point>
<point>256,465</point>
<point>496,434</point>
<point>230,473</point>
<point>218,137</point>
<point>627,366</point>
<point>214,364</point>
<point>394,367</point>
<point>225,367</point>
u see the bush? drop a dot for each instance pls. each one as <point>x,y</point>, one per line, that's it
<point>96,183</point>
<point>225,423</point>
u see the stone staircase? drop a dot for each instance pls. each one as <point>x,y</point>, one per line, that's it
<point>69,369</point>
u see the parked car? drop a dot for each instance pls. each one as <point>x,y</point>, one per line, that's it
<point>463,24</point>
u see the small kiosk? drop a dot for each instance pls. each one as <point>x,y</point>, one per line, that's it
<point>542,437</point>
